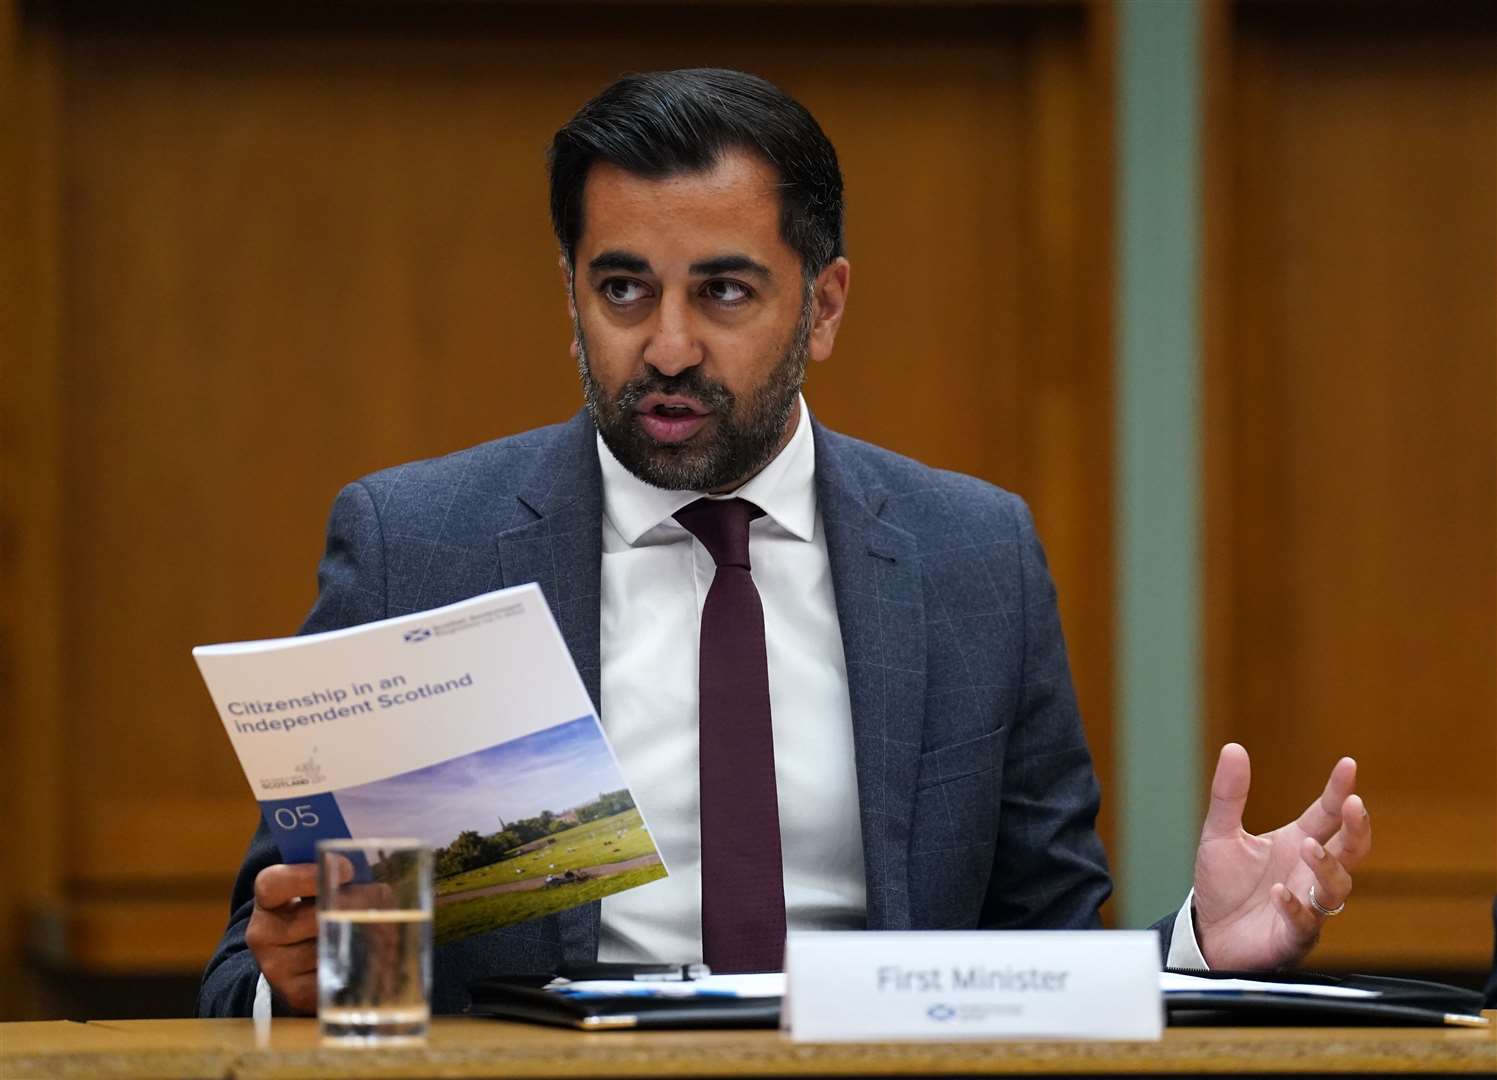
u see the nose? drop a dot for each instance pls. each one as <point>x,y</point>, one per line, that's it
<point>673,346</point>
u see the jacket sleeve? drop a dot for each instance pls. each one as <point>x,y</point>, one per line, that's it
<point>1050,871</point>
<point>350,591</point>
<point>1049,868</point>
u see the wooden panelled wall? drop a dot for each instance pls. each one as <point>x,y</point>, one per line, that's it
<point>268,253</point>
<point>1351,437</point>
<point>251,257</point>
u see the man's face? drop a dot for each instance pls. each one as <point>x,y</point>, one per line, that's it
<point>693,322</point>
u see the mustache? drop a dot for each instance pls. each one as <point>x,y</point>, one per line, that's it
<point>690,383</point>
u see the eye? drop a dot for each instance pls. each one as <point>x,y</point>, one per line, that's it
<point>623,291</point>
<point>726,292</point>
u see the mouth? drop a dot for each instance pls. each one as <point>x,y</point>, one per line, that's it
<point>671,418</point>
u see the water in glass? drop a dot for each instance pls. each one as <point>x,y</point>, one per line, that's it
<point>374,975</point>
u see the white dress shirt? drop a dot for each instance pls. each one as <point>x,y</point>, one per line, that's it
<point>654,582</point>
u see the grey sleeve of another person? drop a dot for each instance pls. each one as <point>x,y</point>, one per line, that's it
<point>350,591</point>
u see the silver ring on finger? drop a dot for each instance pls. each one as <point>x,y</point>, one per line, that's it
<point>1321,909</point>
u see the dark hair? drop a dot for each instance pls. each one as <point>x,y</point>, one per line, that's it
<point>664,123</point>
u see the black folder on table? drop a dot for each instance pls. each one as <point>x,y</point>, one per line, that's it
<point>1399,1002</point>
<point>509,1000</point>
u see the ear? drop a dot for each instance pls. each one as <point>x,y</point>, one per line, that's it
<point>568,284</point>
<point>829,301</point>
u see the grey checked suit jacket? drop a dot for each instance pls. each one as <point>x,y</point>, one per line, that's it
<point>975,785</point>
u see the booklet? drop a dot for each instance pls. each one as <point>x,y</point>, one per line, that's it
<point>467,727</point>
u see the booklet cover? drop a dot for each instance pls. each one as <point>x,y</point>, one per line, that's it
<point>466,726</point>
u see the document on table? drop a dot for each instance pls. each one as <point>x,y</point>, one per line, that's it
<point>769,984</point>
<point>1176,983</point>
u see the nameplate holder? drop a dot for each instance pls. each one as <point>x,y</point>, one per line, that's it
<point>972,984</point>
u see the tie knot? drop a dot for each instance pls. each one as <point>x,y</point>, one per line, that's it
<point>722,525</point>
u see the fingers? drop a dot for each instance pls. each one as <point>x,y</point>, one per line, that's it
<point>1229,792</point>
<point>292,973</point>
<point>374,895</point>
<point>284,882</point>
<point>282,917</point>
<point>1332,879</point>
<point>1322,817</point>
<point>1353,842</point>
<point>1332,887</point>
<point>284,943</point>
<point>280,884</point>
<point>1304,924</point>
<point>282,932</point>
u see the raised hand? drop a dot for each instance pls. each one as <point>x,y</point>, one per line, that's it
<point>1252,893</point>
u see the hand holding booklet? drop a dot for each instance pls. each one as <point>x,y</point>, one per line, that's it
<point>467,727</point>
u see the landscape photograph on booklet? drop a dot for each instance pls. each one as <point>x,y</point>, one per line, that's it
<point>561,828</point>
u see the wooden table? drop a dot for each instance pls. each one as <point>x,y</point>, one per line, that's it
<point>461,1047</point>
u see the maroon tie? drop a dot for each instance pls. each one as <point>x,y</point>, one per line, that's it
<point>743,887</point>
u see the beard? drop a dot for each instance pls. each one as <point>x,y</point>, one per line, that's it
<point>746,434</point>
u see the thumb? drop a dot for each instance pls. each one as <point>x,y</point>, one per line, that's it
<point>1229,792</point>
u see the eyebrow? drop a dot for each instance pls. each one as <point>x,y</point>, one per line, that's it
<point>630,263</point>
<point>620,260</point>
<point>730,264</point>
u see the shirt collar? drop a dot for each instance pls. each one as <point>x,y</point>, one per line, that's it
<point>785,490</point>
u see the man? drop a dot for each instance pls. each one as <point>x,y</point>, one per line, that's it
<point>862,652</point>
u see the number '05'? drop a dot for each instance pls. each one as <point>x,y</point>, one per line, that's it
<point>302,817</point>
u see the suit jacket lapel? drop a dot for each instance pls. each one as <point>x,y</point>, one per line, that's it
<point>560,547</point>
<point>880,604</point>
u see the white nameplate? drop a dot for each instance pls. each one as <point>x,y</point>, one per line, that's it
<point>972,984</point>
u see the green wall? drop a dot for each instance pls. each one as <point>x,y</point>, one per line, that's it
<point>1157,474</point>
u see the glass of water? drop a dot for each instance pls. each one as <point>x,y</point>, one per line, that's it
<point>374,904</point>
